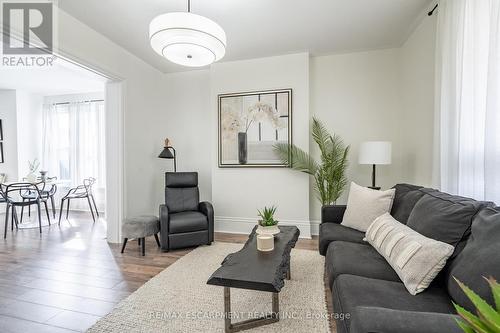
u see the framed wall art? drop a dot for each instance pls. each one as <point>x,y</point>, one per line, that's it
<point>250,124</point>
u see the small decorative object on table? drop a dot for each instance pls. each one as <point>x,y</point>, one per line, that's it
<point>32,167</point>
<point>267,224</point>
<point>265,243</point>
<point>43,175</point>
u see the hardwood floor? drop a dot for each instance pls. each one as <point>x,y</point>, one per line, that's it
<point>69,277</point>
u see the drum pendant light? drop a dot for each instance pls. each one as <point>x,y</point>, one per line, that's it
<point>187,39</point>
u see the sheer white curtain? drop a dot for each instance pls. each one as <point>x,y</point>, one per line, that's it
<point>74,146</point>
<point>468,98</point>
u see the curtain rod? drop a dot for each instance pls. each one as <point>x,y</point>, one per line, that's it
<point>89,101</point>
<point>433,9</point>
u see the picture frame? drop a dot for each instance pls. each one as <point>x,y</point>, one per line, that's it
<point>250,124</point>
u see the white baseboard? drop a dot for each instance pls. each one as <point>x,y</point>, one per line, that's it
<point>315,227</point>
<point>244,225</point>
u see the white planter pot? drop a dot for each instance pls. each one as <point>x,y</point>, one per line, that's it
<point>273,230</point>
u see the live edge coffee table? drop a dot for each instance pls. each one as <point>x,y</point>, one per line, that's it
<point>255,270</point>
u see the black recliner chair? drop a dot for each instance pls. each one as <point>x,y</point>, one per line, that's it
<point>184,220</point>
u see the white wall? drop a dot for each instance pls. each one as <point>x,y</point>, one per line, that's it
<point>8,115</point>
<point>357,97</point>
<point>417,91</point>
<point>186,122</point>
<point>238,193</point>
<point>29,129</point>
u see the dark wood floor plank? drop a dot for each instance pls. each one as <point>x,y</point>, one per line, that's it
<point>16,325</point>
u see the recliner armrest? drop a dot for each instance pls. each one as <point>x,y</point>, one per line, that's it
<point>164,227</point>
<point>207,209</point>
<point>332,213</point>
<point>374,319</point>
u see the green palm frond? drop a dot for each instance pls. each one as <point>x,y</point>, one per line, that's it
<point>487,319</point>
<point>329,173</point>
<point>296,158</point>
<point>321,137</point>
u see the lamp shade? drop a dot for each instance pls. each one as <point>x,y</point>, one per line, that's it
<point>375,152</point>
<point>187,39</point>
<point>166,153</point>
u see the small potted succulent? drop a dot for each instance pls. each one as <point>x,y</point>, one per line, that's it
<point>267,223</point>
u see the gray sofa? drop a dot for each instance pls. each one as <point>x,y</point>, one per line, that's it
<point>366,287</point>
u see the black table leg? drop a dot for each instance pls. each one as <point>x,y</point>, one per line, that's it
<point>270,318</point>
<point>143,244</point>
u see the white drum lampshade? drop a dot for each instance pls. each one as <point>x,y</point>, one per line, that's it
<point>375,153</point>
<point>187,39</point>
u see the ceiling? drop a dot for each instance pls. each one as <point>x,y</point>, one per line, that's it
<point>61,79</point>
<point>260,28</point>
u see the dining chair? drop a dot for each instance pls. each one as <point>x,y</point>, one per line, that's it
<point>50,193</point>
<point>80,192</point>
<point>30,197</point>
<point>15,196</point>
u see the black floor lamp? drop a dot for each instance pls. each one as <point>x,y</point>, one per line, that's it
<point>168,152</point>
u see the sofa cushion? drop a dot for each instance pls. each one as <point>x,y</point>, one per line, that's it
<point>417,259</point>
<point>329,232</point>
<point>187,222</point>
<point>372,319</point>
<point>444,217</point>
<point>350,291</point>
<point>364,205</point>
<point>404,200</point>
<point>356,259</point>
<point>480,258</point>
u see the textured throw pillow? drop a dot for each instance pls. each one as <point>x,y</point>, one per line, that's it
<point>415,258</point>
<point>364,205</point>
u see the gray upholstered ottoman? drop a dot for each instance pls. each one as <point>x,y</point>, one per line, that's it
<point>140,227</point>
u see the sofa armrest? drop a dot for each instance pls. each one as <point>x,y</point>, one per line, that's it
<point>373,319</point>
<point>164,227</point>
<point>207,209</point>
<point>332,213</point>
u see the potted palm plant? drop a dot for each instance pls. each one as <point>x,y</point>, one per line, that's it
<point>329,173</point>
<point>267,223</point>
<point>487,318</point>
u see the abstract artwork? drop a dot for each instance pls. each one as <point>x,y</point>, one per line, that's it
<point>250,124</point>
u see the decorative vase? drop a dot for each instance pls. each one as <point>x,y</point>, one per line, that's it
<point>270,230</point>
<point>31,177</point>
<point>265,243</point>
<point>242,148</point>
<point>43,175</point>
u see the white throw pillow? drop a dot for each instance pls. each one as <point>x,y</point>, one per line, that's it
<point>364,205</point>
<point>415,258</point>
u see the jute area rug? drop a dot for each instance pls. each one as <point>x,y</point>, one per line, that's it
<point>179,300</point>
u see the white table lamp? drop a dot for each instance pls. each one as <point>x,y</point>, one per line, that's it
<point>375,153</point>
